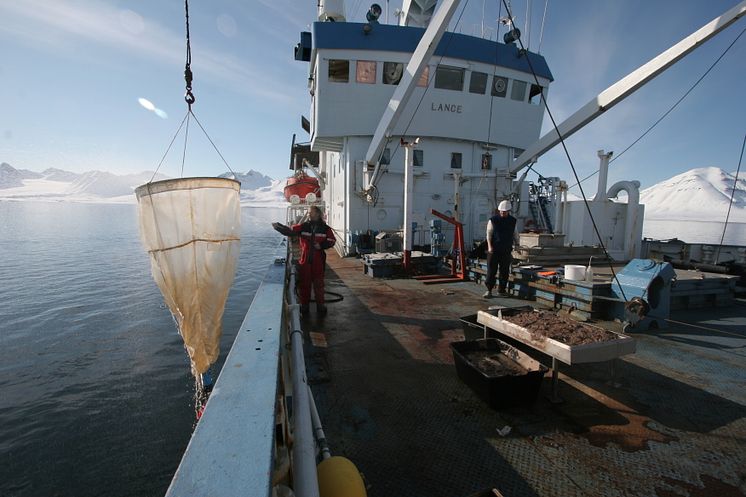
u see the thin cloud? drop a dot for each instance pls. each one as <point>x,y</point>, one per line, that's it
<point>65,22</point>
<point>289,11</point>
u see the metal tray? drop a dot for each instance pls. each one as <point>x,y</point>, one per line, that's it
<point>569,354</point>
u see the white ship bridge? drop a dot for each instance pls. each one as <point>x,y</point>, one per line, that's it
<point>475,108</point>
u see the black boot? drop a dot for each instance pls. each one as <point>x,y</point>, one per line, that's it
<point>321,309</point>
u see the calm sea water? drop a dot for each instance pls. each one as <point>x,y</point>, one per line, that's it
<point>95,390</point>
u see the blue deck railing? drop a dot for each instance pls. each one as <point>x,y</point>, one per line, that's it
<point>231,451</point>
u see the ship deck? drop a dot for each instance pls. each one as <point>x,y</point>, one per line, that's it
<point>671,423</point>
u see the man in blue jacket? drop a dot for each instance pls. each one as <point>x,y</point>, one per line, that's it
<point>500,235</point>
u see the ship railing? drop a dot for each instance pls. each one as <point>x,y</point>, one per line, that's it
<point>305,480</point>
<point>240,444</point>
<point>238,447</point>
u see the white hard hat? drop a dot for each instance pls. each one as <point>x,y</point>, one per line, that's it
<point>505,206</point>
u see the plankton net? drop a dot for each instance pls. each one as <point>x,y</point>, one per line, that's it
<point>191,229</point>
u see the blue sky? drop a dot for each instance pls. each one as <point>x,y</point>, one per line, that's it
<point>71,73</point>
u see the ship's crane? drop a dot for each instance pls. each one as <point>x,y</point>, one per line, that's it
<point>586,114</point>
<point>412,74</point>
<point>416,66</point>
<point>627,86</point>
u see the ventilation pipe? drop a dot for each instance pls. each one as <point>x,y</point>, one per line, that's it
<point>603,176</point>
<point>632,221</point>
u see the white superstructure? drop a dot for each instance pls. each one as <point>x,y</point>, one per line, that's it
<point>477,112</point>
<point>475,109</point>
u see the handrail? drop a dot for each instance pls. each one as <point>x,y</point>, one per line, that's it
<point>230,453</point>
<point>305,479</point>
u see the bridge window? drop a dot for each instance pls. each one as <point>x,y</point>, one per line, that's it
<point>478,83</point>
<point>424,79</point>
<point>449,78</point>
<point>392,72</point>
<point>419,158</point>
<point>518,92</point>
<point>534,94</point>
<point>339,71</point>
<point>366,71</point>
<point>499,86</point>
<point>455,160</point>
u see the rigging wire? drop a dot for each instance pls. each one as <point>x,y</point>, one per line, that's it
<point>213,144</point>
<point>676,104</point>
<point>528,24</point>
<point>569,159</point>
<point>730,204</point>
<point>704,328</point>
<point>484,4</point>
<point>189,98</point>
<point>489,122</point>
<point>492,94</point>
<point>499,15</point>
<point>173,139</point>
<point>186,139</point>
<point>543,20</point>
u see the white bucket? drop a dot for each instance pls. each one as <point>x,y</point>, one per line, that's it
<point>574,272</point>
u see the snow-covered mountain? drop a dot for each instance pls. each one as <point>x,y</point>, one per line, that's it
<point>250,180</point>
<point>265,196</point>
<point>103,187</point>
<point>105,184</point>
<point>700,194</point>
<point>54,174</point>
<point>9,176</point>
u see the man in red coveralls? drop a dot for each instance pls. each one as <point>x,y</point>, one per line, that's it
<point>315,236</point>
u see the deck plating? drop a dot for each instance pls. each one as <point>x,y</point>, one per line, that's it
<point>673,424</point>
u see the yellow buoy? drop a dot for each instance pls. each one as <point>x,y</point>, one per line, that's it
<point>338,477</point>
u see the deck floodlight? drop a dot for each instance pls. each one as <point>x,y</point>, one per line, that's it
<point>512,36</point>
<point>374,13</point>
<point>294,199</point>
<point>311,198</point>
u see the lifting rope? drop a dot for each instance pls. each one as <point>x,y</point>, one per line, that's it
<point>569,159</point>
<point>730,203</point>
<point>188,76</point>
<point>189,98</point>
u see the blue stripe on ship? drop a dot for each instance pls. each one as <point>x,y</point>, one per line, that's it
<point>391,38</point>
